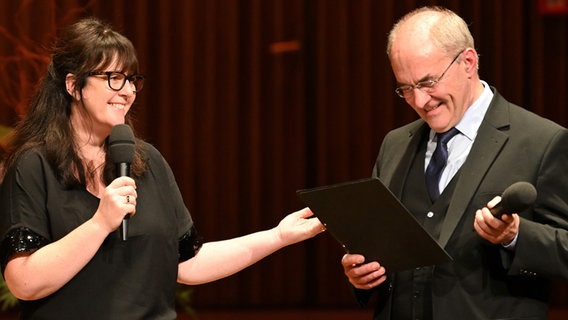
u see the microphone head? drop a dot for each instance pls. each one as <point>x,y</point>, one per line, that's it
<point>121,144</point>
<point>518,197</point>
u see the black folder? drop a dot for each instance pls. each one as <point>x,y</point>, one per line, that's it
<point>366,218</point>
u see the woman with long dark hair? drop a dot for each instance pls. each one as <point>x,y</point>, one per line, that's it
<point>61,201</point>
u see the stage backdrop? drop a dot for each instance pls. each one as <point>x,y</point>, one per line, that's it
<point>250,100</point>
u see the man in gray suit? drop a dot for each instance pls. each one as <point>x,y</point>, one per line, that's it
<point>501,268</point>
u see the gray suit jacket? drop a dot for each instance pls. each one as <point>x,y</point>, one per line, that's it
<point>486,281</point>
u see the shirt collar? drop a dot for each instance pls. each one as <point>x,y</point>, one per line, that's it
<point>473,116</point>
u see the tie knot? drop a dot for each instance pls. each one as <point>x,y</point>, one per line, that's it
<point>444,137</point>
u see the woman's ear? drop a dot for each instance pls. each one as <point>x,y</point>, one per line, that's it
<point>70,81</point>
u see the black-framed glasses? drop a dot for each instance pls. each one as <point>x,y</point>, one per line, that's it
<point>427,86</point>
<point>117,80</point>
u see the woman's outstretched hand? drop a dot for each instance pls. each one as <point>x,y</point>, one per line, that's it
<point>299,226</point>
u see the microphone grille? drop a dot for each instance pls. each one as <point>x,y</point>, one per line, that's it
<point>121,144</point>
<point>519,196</point>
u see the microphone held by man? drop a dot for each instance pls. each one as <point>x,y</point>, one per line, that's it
<point>516,198</point>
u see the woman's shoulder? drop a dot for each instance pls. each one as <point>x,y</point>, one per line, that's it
<point>150,151</point>
<point>28,163</point>
<point>152,155</point>
<point>30,157</point>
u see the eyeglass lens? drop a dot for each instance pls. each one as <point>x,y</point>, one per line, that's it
<point>117,80</point>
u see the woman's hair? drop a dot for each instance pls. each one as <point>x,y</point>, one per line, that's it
<point>86,46</point>
<point>448,32</point>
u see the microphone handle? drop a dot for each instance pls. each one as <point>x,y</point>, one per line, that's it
<point>123,170</point>
<point>124,228</point>
<point>498,210</point>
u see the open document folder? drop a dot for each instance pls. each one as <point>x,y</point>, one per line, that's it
<point>366,218</point>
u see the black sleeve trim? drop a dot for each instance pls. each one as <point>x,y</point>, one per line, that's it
<point>17,241</point>
<point>189,244</point>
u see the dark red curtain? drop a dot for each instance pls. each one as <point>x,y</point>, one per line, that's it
<point>250,100</point>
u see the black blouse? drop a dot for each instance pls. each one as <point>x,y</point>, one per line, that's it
<point>133,279</point>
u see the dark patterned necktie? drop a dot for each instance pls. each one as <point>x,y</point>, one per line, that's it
<point>438,163</point>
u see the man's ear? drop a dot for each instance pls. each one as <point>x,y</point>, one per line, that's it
<point>471,60</point>
<point>70,81</point>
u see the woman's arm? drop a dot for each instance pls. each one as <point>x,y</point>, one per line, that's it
<point>37,274</point>
<point>220,259</point>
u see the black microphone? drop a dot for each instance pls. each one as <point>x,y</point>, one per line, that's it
<point>121,148</point>
<point>516,198</point>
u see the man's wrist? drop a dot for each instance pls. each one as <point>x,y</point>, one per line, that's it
<point>511,244</point>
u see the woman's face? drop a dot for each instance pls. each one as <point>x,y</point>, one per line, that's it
<point>102,107</point>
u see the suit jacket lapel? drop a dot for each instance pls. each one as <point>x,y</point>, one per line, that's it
<point>404,158</point>
<point>489,141</point>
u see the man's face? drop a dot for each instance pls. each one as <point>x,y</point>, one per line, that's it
<point>440,90</point>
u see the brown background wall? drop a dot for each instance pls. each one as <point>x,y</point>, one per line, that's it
<point>250,100</point>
